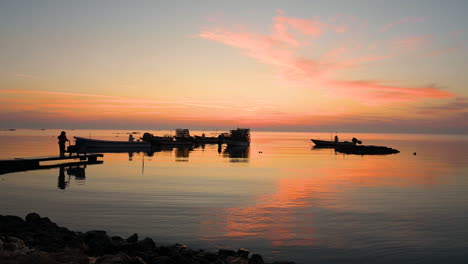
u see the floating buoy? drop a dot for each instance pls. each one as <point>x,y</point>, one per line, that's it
<point>414,153</point>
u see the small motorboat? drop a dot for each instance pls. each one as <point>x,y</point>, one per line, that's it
<point>331,144</point>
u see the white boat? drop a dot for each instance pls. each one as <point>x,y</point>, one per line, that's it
<point>97,143</point>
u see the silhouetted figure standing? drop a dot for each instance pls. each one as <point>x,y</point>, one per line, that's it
<point>336,139</point>
<point>62,140</point>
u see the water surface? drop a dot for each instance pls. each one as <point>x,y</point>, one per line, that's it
<point>280,198</point>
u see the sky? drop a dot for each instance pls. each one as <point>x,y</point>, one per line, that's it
<point>346,66</point>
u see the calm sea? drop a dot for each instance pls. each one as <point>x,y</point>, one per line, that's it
<point>280,198</point>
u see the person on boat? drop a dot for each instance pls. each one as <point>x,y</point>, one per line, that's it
<point>336,139</point>
<point>62,139</point>
<point>131,138</point>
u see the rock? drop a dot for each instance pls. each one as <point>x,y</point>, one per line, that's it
<point>242,252</point>
<point>146,244</point>
<point>162,260</point>
<point>206,257</point>
<point>70,256</point>
<point>33,217</point>
<point>14,244</point>
<point>99,243</point>
<point>223,253</point>
<point>133,238</point>
<point>180,246</point>
<point>284,262</point>
<point>256,259</point>
<point>119,259</point>
<point>118,241</point>
<point>11,223</point>
<point>37,257</point>
<point>236,260</point>
<point>163,251</point>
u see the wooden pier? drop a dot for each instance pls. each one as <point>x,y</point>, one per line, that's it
<point>33,163</point>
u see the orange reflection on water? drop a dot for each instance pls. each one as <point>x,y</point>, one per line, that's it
<point>286,216</point>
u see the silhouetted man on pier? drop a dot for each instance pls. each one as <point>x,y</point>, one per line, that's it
<point>62,140</point>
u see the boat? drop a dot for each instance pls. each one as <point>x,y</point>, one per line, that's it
<point>97,143</point>
<point>366,150</point>
<point>183,136</point>
<point>203,139</point>
<point>238,137</point>
<point>181,139</point>
<point>331,144</point>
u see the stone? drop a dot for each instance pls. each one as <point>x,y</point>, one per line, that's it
<point>11,223</point>
<point>14,244</point>
<point>162,260</point>
<point>256,259</point>
<point>133,238</point>
<point>242,252</point>
<point>284,262</point>
<point>236,260</point>
<point>33,217</point>
<point>223,253</point>
<point>98,242</point>
<point>180,246</point>
<point>146,244</point>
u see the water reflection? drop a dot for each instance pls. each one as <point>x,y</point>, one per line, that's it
<point>78,172</point>
<point>182,154</point>
<point>237,153</point>
<point>285,216</point>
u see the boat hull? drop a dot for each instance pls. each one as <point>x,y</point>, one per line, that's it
<point>109,144</point>
<point>366,150</point>
<point>237,143</point>
<point>331,144</point>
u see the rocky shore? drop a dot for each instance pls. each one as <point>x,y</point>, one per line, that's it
<point>37,239</point>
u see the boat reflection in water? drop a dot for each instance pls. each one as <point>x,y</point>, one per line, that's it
<point>182,153</point>
<point>76,171</point>
<point>237,153</point>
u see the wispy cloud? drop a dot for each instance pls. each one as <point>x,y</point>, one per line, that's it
<point>402,21</point>
<point>281,49</point>
<point>27,76</point>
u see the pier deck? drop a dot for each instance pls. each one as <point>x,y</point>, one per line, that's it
<point>32,163</point>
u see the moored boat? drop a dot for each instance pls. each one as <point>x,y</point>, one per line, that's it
<point>238,137</point>
<point>366,150</point>
<point>331,144</point>
<point>97,143</point>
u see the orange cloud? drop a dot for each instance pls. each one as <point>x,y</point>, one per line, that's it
<point>281,50</point>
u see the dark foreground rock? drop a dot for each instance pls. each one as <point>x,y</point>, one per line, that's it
<point>38,240</point>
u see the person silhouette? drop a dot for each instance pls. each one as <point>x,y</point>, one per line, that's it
<point>62,140</point>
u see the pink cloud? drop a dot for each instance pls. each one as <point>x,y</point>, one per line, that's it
<point>27,76</point>
<point>375,93</point>
<point>411,42</point>
<point>281,49</point>
<point>402,21</point>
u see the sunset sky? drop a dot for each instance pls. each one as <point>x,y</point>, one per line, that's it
<point>349,66</point>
